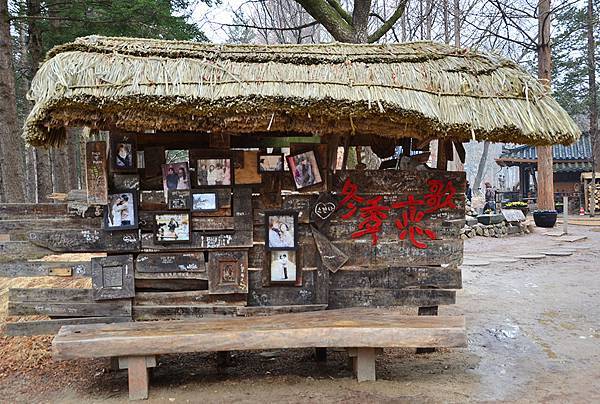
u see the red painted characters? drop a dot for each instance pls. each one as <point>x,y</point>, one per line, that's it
<point>409,216</point>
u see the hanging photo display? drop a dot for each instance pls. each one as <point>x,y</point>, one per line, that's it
<point>205,201</point>
<point>214,172</point>
<point>178,200</point>
<point>281,230</point>
<point>283,267</point>
<point>121,212</point>
<point>304,169</point>
<point>123,154</point>
<point>171,227</point>
<point>176,176</point>
<point>269,163</point>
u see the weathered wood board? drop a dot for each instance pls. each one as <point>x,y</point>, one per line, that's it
<point>51,327</point>
<point>112,277</point>
<point>397,278</point>
<point>96,169</point>
<point>87,240</point>
<point>357,297</point>
<point>259,295</point>
<point>45,268</point>
<point>188,298</point>
<point>167,263</point>
<point>58,302</point>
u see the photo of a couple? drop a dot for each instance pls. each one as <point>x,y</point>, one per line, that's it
<point>305,169</point>
<point>281,230</point>
<point>121,212</point>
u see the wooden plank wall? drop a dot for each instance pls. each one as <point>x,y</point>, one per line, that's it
<point>390,272</point>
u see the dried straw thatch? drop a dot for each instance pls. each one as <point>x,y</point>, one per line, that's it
<point>422,89</point>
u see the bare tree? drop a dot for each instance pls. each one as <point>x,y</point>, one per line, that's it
<point>591,52</point>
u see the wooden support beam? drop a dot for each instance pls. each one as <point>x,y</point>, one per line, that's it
<point>138,377</point>
<point>427,311</point>
<point>442,158</point>
<point>364,364</point>
<point>460,150</point>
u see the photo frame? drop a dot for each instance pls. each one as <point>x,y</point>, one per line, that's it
<point>172,227</point>
<point>304,169</point>
<point>123,154</point>
<point>175,176</point>
<point>178,200</point>
<point>284,268</point>
<point>121,212</point>
<point>227,272</point>
<point>204,201</point>
<point>214,171</point>
<point>270,163</point>
<point>281,230</point>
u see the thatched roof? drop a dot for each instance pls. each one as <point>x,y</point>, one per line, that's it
<point>419,89</point>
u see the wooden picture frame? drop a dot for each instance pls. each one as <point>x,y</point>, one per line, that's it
<point>123,153</point>
<point>179,200</point>
<point>265,164</point>
<point>281,230</point>
<point>177,232</point>
<point>113,277</point>
<point>305,169</point>
<point>284,268</point>
<point>210,204</point>
<point>227,272</point>
<point>121,207</point>
<point>215,171</point>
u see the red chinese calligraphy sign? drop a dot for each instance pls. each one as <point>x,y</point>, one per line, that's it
<point>409,213</point>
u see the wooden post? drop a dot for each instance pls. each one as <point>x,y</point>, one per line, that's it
<point>364,364</point>
<point>565,214</point>
<point>138,377</point>
<point>427,311</point>
<point>545,182</point>
<point>442,158</point>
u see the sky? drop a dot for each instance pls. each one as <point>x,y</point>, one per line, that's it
<point>210,18</point>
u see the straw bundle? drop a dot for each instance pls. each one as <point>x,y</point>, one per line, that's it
<point>422,89</point>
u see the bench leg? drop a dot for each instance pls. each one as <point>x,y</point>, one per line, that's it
<point>138,377</point>
<point>321,354</point>
<point>427,311</point>
<point>363,364</point>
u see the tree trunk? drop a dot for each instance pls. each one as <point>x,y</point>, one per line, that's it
<point>43,166</point>
<point>11,160</point>
<point>593,103</point>
<point>481,166</point>
<point>545,196</point>
<point>457,23</point>
<point>74,159</point>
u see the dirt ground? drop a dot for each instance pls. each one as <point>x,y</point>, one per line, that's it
<point>533,331</point>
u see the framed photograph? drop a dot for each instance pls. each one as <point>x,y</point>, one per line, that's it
<point>205,201</point>
<point>304,169</point>
<point>270,163</point>
<point>176,176</point>
<point>284,268</point>
<point>121,212</point>
<point>171,227</point>
<point>178,200</point>
<point>214,172</point>
<point>123,154</point>
<point>281,230</point>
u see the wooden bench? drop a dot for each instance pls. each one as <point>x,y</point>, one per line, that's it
<point>363,331</point>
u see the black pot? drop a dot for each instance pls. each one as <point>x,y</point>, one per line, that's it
<point>545,218</point>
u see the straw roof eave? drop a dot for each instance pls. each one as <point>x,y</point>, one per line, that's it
<point>421,90</point>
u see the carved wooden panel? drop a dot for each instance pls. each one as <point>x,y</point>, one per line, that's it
<point>228,272</point>
<point>112,277</point>
<point>96,173</point>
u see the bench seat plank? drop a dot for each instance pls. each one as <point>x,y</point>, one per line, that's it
<point>355,327</point>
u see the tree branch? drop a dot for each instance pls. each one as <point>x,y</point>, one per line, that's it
<point>299,27</point>
<point>343,13</point>
<point>333,22</point>
<point>386,26</point>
